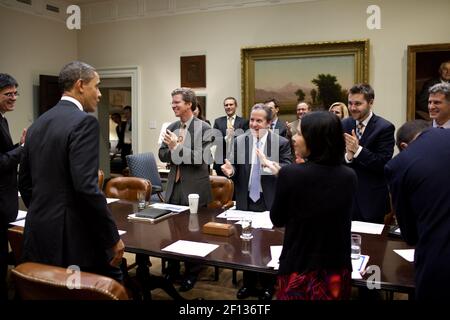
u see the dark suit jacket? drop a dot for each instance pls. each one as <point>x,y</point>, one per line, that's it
<point>68,221</point>
<point>372,196</point>
<point>243,148</point>
<point>419,183</point>
<point>120,130</point>
<point>281,127</point>
<point>193,157</point>
<point>221,124</point>
<point>9,159</point>
<point>313,202</point>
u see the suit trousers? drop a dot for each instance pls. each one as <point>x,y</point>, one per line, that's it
<point>3,262</point>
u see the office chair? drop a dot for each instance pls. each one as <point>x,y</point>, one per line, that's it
<point>222,190</point>
<point>126,188</point>
<point>101,179</point>
<point>143,165</point>
<point>37,281</point>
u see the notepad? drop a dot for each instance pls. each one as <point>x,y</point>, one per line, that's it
<point>152,213</point>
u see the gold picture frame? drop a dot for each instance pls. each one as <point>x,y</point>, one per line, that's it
<point>423,65</point>
<point>277,67</point>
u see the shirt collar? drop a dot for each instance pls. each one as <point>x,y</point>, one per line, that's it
<point>73,100</point>
<point>187,123</point>
<point>233,117</point>
<point>445,125</point>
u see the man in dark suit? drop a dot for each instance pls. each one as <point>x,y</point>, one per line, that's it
<point>9,159</point>
<point>418,179</point>
<point>68,222</point>
<point>127,136</point>
<point>276,124</point>
<point>439,105</point>
<point>422,97</point>
<point>255,188</point>
<point>120,129</point>
<point>369,143</point>
<point>230,127</point>
<point>186,147</point>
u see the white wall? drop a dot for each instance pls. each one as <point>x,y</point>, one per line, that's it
<point>156,44</point>
<point>31,46</point>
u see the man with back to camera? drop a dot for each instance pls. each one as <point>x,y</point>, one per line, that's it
<point>68,221</point>
<point>422,97</point>
<point>228,126</point>
<point>418,181</point>
<point>439,105</point>
<point>9,159</point>
<point>369,141</point>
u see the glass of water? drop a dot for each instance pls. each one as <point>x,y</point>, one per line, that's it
<point>246,224</point>
<point>356,246</point>
<point>141,199</point>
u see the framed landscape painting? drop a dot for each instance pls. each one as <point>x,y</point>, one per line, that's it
<point>318,73</point>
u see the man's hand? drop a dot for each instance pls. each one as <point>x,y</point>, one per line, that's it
<point>351,142</point>
<point>230,132</point>
<point>227,168</point>
<point>170,139</point>
<point>273,166</point>
<point>24,134</point>
<point>117,250</point>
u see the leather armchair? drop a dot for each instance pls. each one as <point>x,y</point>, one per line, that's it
<point>36,281</point>
<point>126,188</point>
<point>222,192</point>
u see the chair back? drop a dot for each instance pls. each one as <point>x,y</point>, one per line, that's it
<point>36,281</point>
<point>126,188</point>
<point>143,165</point>
<point>15,238</point>
<point>101,179</point>
<point>222,190</point>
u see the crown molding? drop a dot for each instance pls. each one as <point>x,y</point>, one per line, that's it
<point>116,10</point>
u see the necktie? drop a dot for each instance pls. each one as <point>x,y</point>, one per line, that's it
<point>272,126</point>
<point>230,123</point>
<point>180,140</point>
<point>359,130</point>
<point>255,179</point>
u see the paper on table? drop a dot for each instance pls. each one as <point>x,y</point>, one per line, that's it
<point>275,252</point>
<point>121,232</point>
<point>367,227</point>
<point>109,200</point>
<point>407,254</point>
<point>171,207</point>
<point>259,219</point>
<point>21,215</point>
<point>359,266</point>
<point>19,223</point>
<point>191,248</point>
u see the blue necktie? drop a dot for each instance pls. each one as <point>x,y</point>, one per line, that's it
<point>255,179</point>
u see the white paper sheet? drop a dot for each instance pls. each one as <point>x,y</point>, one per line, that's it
<point>259,219</point>
<point>275,252</point>
<point>407,254</point>
<point>171,207</point>
<point>109,200</point>
<point>367,227</point>
<point>359,266</point>
<point>21,215</point>
<point>191,248</point>
<point>20,223</point>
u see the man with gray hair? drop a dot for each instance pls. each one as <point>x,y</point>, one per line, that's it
<point>255,187</point>
<point>439,105</point>
<point>68,222</point>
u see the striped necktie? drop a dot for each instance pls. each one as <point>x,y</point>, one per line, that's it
<point>359,130</point>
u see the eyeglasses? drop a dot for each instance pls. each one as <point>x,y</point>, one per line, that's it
<point>11,94</point>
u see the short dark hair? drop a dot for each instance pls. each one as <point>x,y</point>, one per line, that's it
<point>407,132</point>
<point>127,108</point>
<point>72,72</point>
<point>275,102</point>
<point>365,89</point>
<point>188,95</point>
<point>230,98</point>
<point>324,137</point>
<point>266,109</point>
<point>7,81</point>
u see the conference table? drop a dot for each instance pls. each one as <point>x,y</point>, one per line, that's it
<point>396,274</point>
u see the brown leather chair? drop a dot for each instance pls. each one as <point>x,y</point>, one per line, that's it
<point>15,238</point>
<point>101,179</point>
<point>222,190</point>
<point>126,188</point>
<point>36,281</point>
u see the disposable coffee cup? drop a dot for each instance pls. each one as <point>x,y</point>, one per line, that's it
<point>193,223</point>
<point>193,202</point>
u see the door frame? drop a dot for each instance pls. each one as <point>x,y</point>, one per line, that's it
<point>133,73</point>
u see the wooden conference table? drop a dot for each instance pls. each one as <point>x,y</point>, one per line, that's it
<point>397,274</point>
